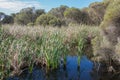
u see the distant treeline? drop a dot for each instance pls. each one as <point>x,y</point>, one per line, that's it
<point>60,16</point>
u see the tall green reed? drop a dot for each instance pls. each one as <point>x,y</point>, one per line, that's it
<point>29,46</point>
<point>81,38</point>
<point>52,47</point>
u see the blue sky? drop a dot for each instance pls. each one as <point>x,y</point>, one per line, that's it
<point>13,6</point>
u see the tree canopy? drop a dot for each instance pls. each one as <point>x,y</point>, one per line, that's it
<point>91,15</point>
<point>47,19</point>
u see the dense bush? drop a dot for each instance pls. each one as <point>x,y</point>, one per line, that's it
<point>6,19</point>
<point>106,47</point>
<point>47,19</point>
<point>22,47</point>
<point>73,15</point>
<point>111,22</point>
<point>27,15</point>
<point>92,15</point>
<point>30,24</point>
<point>59,11</point>
<point>96,12</point>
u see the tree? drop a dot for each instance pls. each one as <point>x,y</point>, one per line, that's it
<point>47,19</point>
<point>39,12</point>
<point>85,18</point>
<point>111,22</point>
<point>58,12</point>
<point>6,19</point>
<point>25,16</point>
<point>28,15</point>
<point>96,12</point>
<point>73,15</point>
<point>1,17</point>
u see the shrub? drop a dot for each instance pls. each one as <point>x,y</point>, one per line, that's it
<point>96,12</point>
<point>27,15</point>
<point>59,11</point>
<point>47,19</point>
<point>117,48</point>
<point>26,46</point>
<point>111,22</point>
<point>30,24</point>
<point>73,15</point>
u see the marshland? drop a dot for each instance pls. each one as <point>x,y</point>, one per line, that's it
<point>64,43</point>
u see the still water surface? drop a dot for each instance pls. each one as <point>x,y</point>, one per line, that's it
<point>70,73</point>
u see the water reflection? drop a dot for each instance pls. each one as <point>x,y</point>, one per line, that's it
<point>70,73</point>
<point>86,68</point>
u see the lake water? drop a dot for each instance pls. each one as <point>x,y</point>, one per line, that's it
<point>70,73</point>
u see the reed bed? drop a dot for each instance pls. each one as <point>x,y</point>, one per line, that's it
<point>22,46</point>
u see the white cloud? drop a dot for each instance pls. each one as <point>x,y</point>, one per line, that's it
<point>16,5</point>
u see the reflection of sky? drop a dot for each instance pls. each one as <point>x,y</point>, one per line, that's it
<point>86,66</point>
<point>72,68</point>
<point>71,72</point>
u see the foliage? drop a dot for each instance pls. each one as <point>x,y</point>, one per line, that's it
<point>117,48</point>
<point>92,15</point>
<point>73,14</point>
<point>39,12</point>
<point>7,19</point>
<point>27,15</point>
<point>85,17</point>
<point>112,13</point>
<point>26,46</point>
<point>96,12</point>
<point>30,24</point>
<point>47,19</point>
<point>59,11</point>
<point>110,24</point>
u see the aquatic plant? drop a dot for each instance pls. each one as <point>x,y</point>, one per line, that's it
<point>81,45</point>
<point>25,47</point>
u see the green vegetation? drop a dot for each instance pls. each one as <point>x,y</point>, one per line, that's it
<point>27,15</point>
<point>48,37</point>
<point>61,16</point>
<point>112,14</point>
<point>107,45</point>
<point>46,19</point>
<point>59,11</point>
<point>7,19</point>
<point>39,45</point>
<point>73,14</point>
<point>111,22</point>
